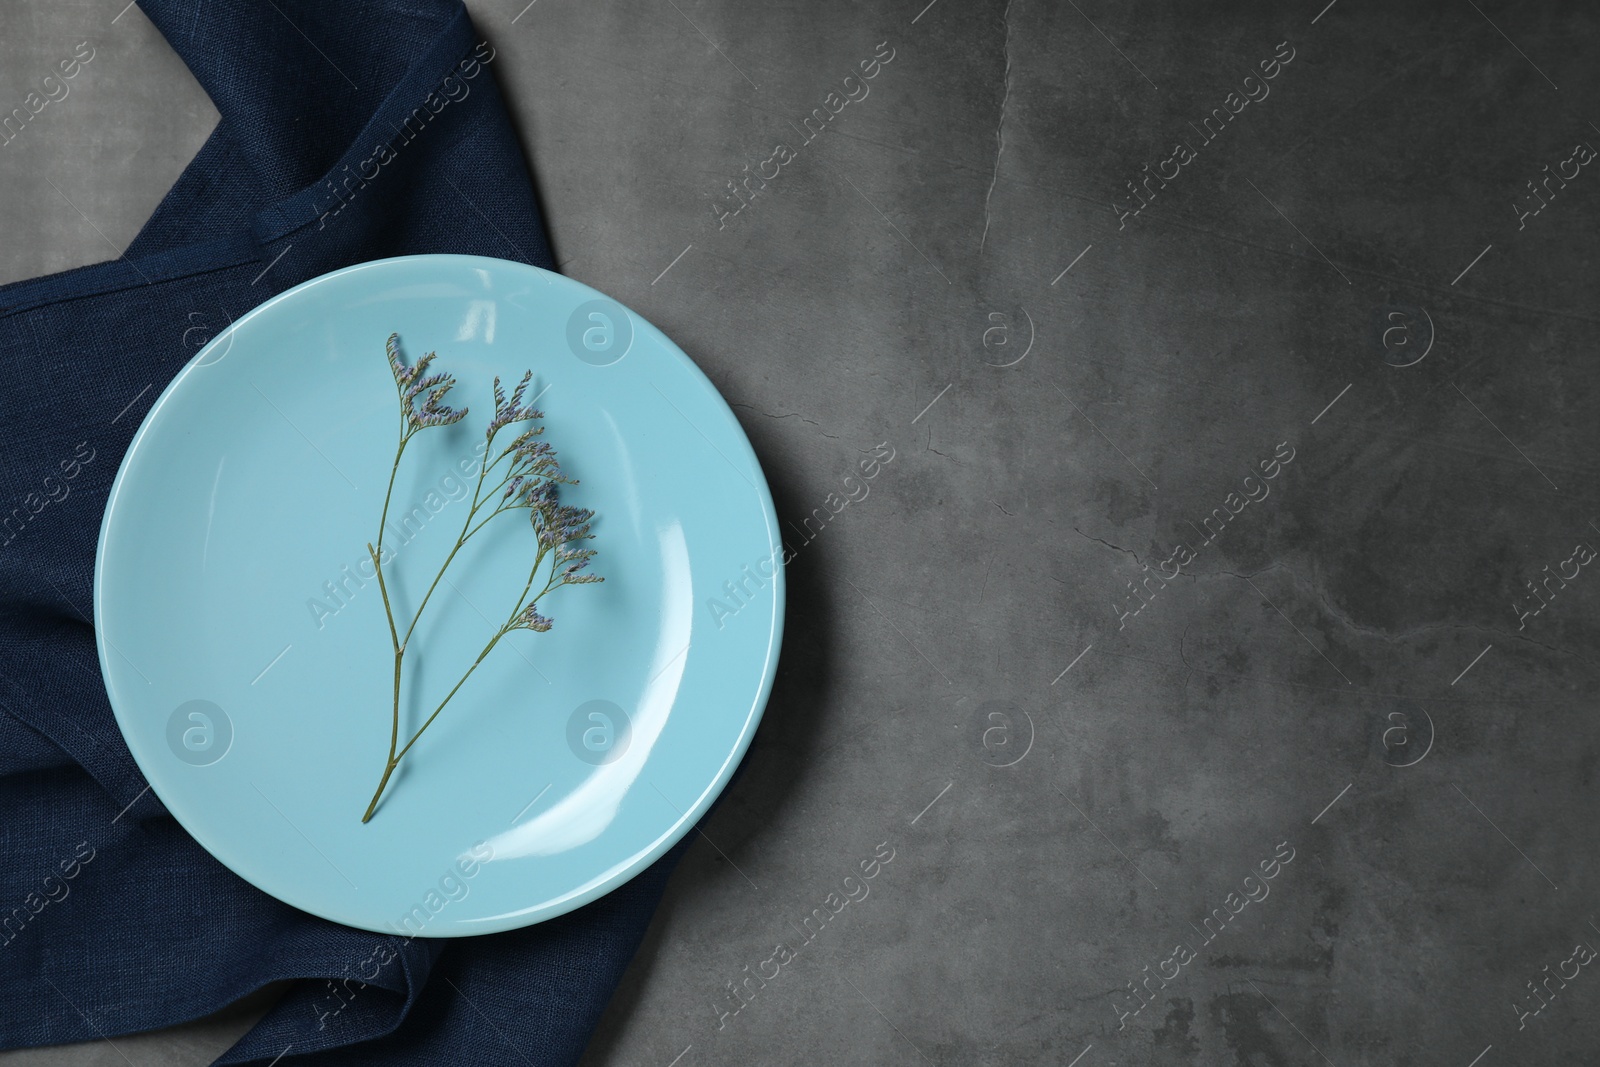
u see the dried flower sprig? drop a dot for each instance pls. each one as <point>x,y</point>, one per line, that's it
<point>528,479</point>
<point>412,382</point>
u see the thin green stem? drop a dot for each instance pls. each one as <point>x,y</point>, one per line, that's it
<point>499,508</point>
<point>383,519</point>
<point>376,552</point>
<point>400,644</point>
<point>463,681</point>
<point>399,656</point>
<point>461,539</point>
<point>505,628</point>
<point>429,595</point>
<point>382,784</point>
<point>377,565</point>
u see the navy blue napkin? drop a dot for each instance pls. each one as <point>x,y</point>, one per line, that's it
<point>348,132</point>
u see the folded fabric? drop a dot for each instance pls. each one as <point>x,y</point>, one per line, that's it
<point>347,133</point>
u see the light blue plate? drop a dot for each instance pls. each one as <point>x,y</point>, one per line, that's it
<point>245,648</point>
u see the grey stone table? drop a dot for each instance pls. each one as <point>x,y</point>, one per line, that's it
<point>1214,658</point>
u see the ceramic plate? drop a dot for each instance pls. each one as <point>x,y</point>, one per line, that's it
<point>244,642</point>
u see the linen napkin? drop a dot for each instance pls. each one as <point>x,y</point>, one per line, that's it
<point>348,132</point>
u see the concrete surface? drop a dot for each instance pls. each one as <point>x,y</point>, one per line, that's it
<point>1350,673</point>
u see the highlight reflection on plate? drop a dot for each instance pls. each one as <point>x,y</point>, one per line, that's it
<point>245,648</point>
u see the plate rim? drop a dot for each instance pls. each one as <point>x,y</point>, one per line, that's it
<point>677,830</point>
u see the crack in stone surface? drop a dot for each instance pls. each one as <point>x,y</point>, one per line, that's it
<point>1000,127</point>
<point>788,415</point>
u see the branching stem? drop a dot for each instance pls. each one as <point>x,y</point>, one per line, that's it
<point>534,467</point>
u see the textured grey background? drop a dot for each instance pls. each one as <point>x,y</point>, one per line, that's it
<point>1358,618</point>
